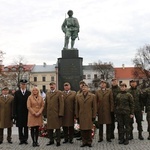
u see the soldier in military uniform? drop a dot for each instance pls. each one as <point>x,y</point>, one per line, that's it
<point>86,110</point>
<point>81,83</point>
<point>69,113</point>
<point>147,110</point>
<point>105,105</point>
<point>115,89</point>
<point>124,111</point>
<point>54,110</point>
<point>6,102</point>
<point>70,27</point>
<point>138,109</point>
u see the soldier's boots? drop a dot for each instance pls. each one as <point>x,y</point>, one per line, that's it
<point>126,142</point>
<point>140,136</point>
<point>148,137</point>
<point>130,136</point>
<point>121,141</point>
<point>121,136</point>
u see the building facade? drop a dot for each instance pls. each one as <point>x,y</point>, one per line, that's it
<point>42,75</point>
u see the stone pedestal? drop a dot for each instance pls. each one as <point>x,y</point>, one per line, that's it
<point>70,69</point>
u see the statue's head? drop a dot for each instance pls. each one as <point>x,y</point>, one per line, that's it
<point>70,13</point>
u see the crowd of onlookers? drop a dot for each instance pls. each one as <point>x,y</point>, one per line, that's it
<point>117,103</point>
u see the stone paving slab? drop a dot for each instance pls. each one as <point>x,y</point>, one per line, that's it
<point>134,144</point>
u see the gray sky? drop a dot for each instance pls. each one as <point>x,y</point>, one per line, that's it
<point>110,30</point>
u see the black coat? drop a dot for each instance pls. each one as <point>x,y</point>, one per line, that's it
<point>20,110</point>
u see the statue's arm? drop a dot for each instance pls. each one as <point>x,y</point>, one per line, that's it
<point>77,24</point>
<point>63,27</point>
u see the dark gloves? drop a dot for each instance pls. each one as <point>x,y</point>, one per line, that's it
<point>77,120</point>
<point>14,117</point>
<point>93,119</point>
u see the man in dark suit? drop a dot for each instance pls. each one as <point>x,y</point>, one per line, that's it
<point>21,112</point>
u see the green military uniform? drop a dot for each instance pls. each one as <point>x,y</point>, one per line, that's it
<point>147,110</point>
<point>115,89</point>
<point>137,111</point>
<point>124,108</point>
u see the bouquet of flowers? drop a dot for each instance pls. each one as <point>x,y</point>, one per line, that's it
<point>43,130</point>
<point>77,129</point>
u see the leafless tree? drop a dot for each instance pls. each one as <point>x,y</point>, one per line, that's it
<point>142,64</point>
<point>105,71</point>
<point>13,73</point>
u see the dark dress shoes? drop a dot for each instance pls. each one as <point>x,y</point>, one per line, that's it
<point>89,145</point>
<point>108,140</point>
<point>100,140</point>
<point>1,142</point>
<point>83,145</point>
<point>80,138</point>
<point>70,141</point>
<point>65,141</point>
<point>10,142</point>
<point>58,144</point>
<point>25,142</point>
<point>34,144</point>
<point>37,144</point>
<point>50,143</point>
<point>21,142</point>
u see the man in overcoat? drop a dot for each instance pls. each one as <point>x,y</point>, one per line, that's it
<point>54,110</point>
<point>6,106</point>
<point>20,111</point>
<point>86,110</point>
<point>105,106</point>
<point>69,113</point>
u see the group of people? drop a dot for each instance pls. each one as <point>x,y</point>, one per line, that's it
<point>61,108</point>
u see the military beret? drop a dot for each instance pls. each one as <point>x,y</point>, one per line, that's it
<point>85,85</point>
<point>5,88</point>
<point>66,83</point>
<point>123,84</point>
<point>52,83</point>
<point>132,80</point>
<point>103,81</point>
<point>81,82</point>
<point>23,81</point>
<point>113,79</point>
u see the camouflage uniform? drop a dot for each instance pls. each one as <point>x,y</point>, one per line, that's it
<point>147,110</point>
<point>124,108</point>
<point>115,90</point>
<point>137,111</point>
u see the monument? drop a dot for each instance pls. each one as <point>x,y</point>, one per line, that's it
<point>70,64</point>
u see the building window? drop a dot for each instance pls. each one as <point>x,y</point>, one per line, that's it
<point>44,88</point>
<point>84,76</point>
<point>95,76</point>
<point>35,79</point>
<point>88,76</point>
<point>43,79</point>
<point>52,78</point>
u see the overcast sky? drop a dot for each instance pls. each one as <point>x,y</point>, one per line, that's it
<point>110,30</point>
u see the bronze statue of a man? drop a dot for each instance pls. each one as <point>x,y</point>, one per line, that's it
<point>70,27</point>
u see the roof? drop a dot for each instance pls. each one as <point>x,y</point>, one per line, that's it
<point>14,67</point>
<point>44,68</point>
<point>125,73</point>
